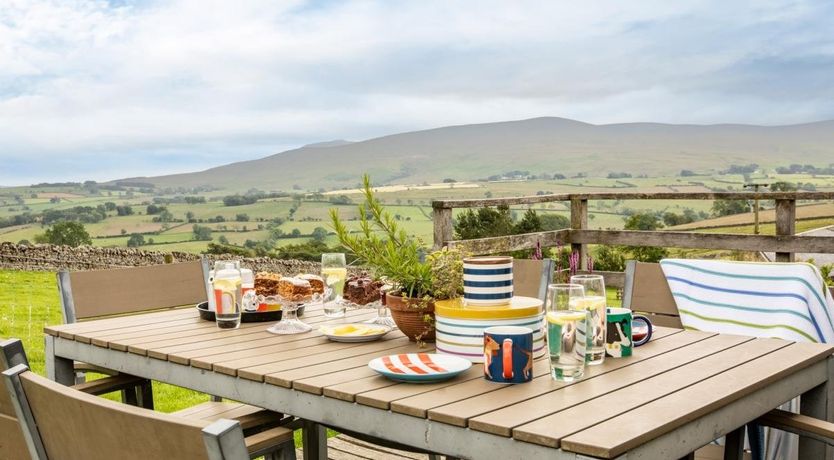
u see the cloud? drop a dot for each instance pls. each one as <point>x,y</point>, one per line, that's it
<point>91,89</point>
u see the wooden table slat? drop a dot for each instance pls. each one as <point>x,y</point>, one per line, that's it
<point>299,371</point>
<point>472,403</point>
<point>90,328</point>
<point>183,353</point>
<point>714,353</point>
<point>618,434</point>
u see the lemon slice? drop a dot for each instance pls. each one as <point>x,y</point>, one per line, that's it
<point>562,318</point>
<point>587,303</point>
<point>225,285</point>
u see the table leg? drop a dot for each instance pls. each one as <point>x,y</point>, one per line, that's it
<point>734,445</point>
<point>58,369</point>
<point>818,402</point>
<point>314,440</point>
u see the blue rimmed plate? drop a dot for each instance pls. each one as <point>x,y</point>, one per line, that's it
<point>419,367</point>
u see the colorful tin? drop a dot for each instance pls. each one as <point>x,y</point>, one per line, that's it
<point>487,280</point>
<point>460,327</point>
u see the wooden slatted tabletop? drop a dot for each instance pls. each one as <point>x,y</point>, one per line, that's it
<point>676,378</point>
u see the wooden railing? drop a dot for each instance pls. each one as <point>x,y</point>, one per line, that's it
<point>784,243</point>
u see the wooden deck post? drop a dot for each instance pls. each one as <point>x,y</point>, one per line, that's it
<point>579,221</point>
<point>785,225</point>
<point>443,230</point>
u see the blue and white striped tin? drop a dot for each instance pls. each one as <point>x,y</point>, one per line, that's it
<point>487,280</point>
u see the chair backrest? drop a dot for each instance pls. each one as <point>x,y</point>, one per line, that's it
<point>531,277</point>
<point>646,291</point>
<point>63,423</point>
<point>12,442</point>
<point>95,293</point>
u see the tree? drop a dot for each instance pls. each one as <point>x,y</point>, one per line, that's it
<point>242,217</point>
<point>201,232</point>
<point>484,222</point>
<point>110,206</point>
<point>189,216</point>
<point>154,209</point>
<point>223,239</point>
<point>530,223</point>
<point>164,216</point>
<point>554,222</point>
<point>124,210</point>
<point>66,233</point>
<point>642,221</point>
<point>687,173</point>
<point>729,207</point>
<point>295,233</point>
<point>782,187</point>
<point>319,234</point>
<point>135,240</point>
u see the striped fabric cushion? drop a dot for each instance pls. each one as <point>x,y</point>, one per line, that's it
<point>780,300</point>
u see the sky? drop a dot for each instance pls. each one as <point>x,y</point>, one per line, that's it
<point>102,90</point>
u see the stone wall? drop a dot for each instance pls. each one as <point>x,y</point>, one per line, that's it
<point>46,257</point>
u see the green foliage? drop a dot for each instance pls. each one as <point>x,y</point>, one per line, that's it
<point>729,207</point>
<point>341,200</point>
<point>66,233</point>
<point>242,217</point>
<point>124,210</point>
<point>135,240</point>
<point>484,222</point>
<point>394,256</point>
<point>319,234</point>
<point>201,232</point>
<point>530,223</point>
<point>609,258</point>
<point>782,186</point>
<point>648,254</point>
<point>642,221</point>
<point>214,248</point>
<point>239,200</point>
<point>554,222</point>
<point>447,273</point>
<point>154,209</point>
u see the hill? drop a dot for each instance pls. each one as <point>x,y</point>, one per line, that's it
<point>552,145</point>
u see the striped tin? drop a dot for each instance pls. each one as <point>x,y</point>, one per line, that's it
<point>487,280</point>
<point>460,327</point>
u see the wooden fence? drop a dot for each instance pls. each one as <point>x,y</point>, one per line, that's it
<point>784,243</point>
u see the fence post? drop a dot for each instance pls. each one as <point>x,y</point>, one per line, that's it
<point>785,225</point>
<point>579,221</point>
<point>443,230</point>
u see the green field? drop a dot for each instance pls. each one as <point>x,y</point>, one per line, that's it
<point>411,204</point>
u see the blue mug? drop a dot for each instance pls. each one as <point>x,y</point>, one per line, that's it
<point>508,354</point>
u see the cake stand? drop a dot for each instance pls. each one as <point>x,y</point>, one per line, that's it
<point>290,324</point>
<point>383,315</point>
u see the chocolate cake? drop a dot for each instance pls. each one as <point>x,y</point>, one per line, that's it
<point>362,289</point>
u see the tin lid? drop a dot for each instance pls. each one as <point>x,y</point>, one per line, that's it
<point>519,307</point>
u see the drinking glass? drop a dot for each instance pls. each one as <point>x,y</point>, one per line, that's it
<point>334,272</point>
<point>595,302</point>
<point>566,330</point>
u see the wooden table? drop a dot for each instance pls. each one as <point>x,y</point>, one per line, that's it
<point>677,393</point>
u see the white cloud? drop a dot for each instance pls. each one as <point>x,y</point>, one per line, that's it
<point>88,86</point>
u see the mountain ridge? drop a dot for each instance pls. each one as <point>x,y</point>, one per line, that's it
<point>541,144</point>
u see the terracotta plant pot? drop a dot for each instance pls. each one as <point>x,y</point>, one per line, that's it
<point>411,317</point>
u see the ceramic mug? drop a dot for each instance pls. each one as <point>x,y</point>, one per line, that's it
<point>508,354</point>
<point>623,332</point>
<point>487,280</point>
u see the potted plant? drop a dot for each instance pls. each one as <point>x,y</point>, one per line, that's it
<point>417,281</point>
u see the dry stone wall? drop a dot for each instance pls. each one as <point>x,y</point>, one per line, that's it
<point>46,257</point>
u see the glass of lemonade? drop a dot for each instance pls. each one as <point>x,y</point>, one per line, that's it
<point>334,272</point>
<point>566,328</point>
<point>595,302</point>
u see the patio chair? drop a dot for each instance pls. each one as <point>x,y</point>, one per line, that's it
<point>647,291</point>
<point>92,294</point>
<point>55,421</point>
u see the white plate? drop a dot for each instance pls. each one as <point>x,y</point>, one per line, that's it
<point>419,367</point>
<point>328,332</point>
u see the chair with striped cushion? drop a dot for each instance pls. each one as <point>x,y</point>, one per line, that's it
<point>788,301</point>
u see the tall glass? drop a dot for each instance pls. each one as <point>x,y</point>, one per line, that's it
<point>566,329</point>
<point>334,272</point>
<point>595,302</point>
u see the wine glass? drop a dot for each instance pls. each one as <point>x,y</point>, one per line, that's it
<point>595,302</point>
<point>334,272</point>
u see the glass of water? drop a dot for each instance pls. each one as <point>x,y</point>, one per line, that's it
<point>334,272</point>
<point>595,302</point>
<point>566,332</point>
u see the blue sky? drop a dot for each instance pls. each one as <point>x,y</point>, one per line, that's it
<point>98,90</point>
